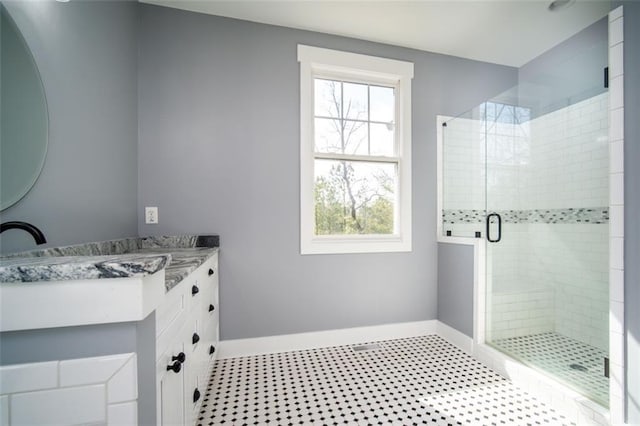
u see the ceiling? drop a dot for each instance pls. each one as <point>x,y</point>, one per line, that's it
<point>507,32</point>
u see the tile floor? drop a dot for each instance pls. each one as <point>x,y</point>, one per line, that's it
<point>413,381</point>
<point>577,364</point>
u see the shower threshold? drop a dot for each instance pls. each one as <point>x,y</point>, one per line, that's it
<point>577,365</point>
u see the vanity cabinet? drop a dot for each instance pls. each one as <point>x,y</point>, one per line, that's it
<point>186,345</point>
<point>137,324</point>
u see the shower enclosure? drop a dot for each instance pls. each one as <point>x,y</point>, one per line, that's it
<point>527,171</point>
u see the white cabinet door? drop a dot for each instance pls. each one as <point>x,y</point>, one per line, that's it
<point>172,387</point>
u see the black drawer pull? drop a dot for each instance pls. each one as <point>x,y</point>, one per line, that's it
<point>196,395</point>
<point>212,350</point>
<point>180,357</point>
<point>212,308</point>
<point>195,338</point>
<point>211,272</point>
<point>195,290</point>
<point>175,367</point>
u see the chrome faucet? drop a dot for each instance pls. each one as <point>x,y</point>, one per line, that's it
<point>37,234</point>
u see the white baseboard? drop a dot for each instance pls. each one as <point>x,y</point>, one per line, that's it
<point>455,337</point>
<point>322,339</point>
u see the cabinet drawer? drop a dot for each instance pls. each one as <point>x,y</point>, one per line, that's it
<point>169,311</point>
<point>202,280</point>
<point>170,324</point>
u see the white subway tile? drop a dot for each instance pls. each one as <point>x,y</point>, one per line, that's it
<point>616,349</point>
<point>616,379</point>
<point>68,406</point>
<point>616,60</point>
<point>616,253</point>
<point>616,92</point>
<point>616,159</point>
<point>616,124</point>
<point>124,414</point>
<point>616,285</point>
<point>86,371</point>
<point>616,408</point>
<point>616,221</point>
<point>616,317</point>
<point>615,13</point>
<point>27,377</point>
<point>616,32</point>
<point>123,386</point>
<point>616,189</point>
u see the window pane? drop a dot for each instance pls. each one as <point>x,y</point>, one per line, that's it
<point>327,136</point>
<point>382,104</point>
<point>355,101</point>
<point>354,197</point>
<point>355,137</point>
<point>327,97</point>
<point>382,136</point>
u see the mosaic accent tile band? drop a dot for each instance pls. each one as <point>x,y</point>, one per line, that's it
<point>595,215</point>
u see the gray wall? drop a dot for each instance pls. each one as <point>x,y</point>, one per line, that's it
<point>87,57</point>
<point>219,152</point>
<point>60,343</point>
<point>455,286</point>
<point>632,204</point>
<point>568,73</point>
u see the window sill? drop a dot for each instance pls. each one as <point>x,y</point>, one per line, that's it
<point>362,244</point>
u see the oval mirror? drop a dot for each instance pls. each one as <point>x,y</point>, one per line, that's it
<point>23,115</point>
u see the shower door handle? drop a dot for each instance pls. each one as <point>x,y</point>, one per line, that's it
<point>489,216</point>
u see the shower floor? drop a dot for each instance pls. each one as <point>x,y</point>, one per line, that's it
<point>575,363</point>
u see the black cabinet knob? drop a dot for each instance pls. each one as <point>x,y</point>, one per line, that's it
<point>211,272</point>
<point>195,338</point>
<point>212,350</point>
<point>175,367</point>
<point>211,308</point>
<point>196,395</point>
<point>180,357</point>
<point>195,290</point>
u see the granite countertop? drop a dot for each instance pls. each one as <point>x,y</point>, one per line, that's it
<point>183,262</point>
<point>128,257</point>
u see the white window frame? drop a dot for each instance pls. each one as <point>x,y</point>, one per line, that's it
<point>333,64</point>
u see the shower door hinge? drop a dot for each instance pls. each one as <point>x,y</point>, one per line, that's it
<point>606,367</point>
<point>606,77</point>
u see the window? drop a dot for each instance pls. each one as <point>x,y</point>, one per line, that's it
<point>507,129</point>
<point>355,152</point>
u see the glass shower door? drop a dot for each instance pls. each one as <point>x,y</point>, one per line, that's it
<point>546,238</point>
